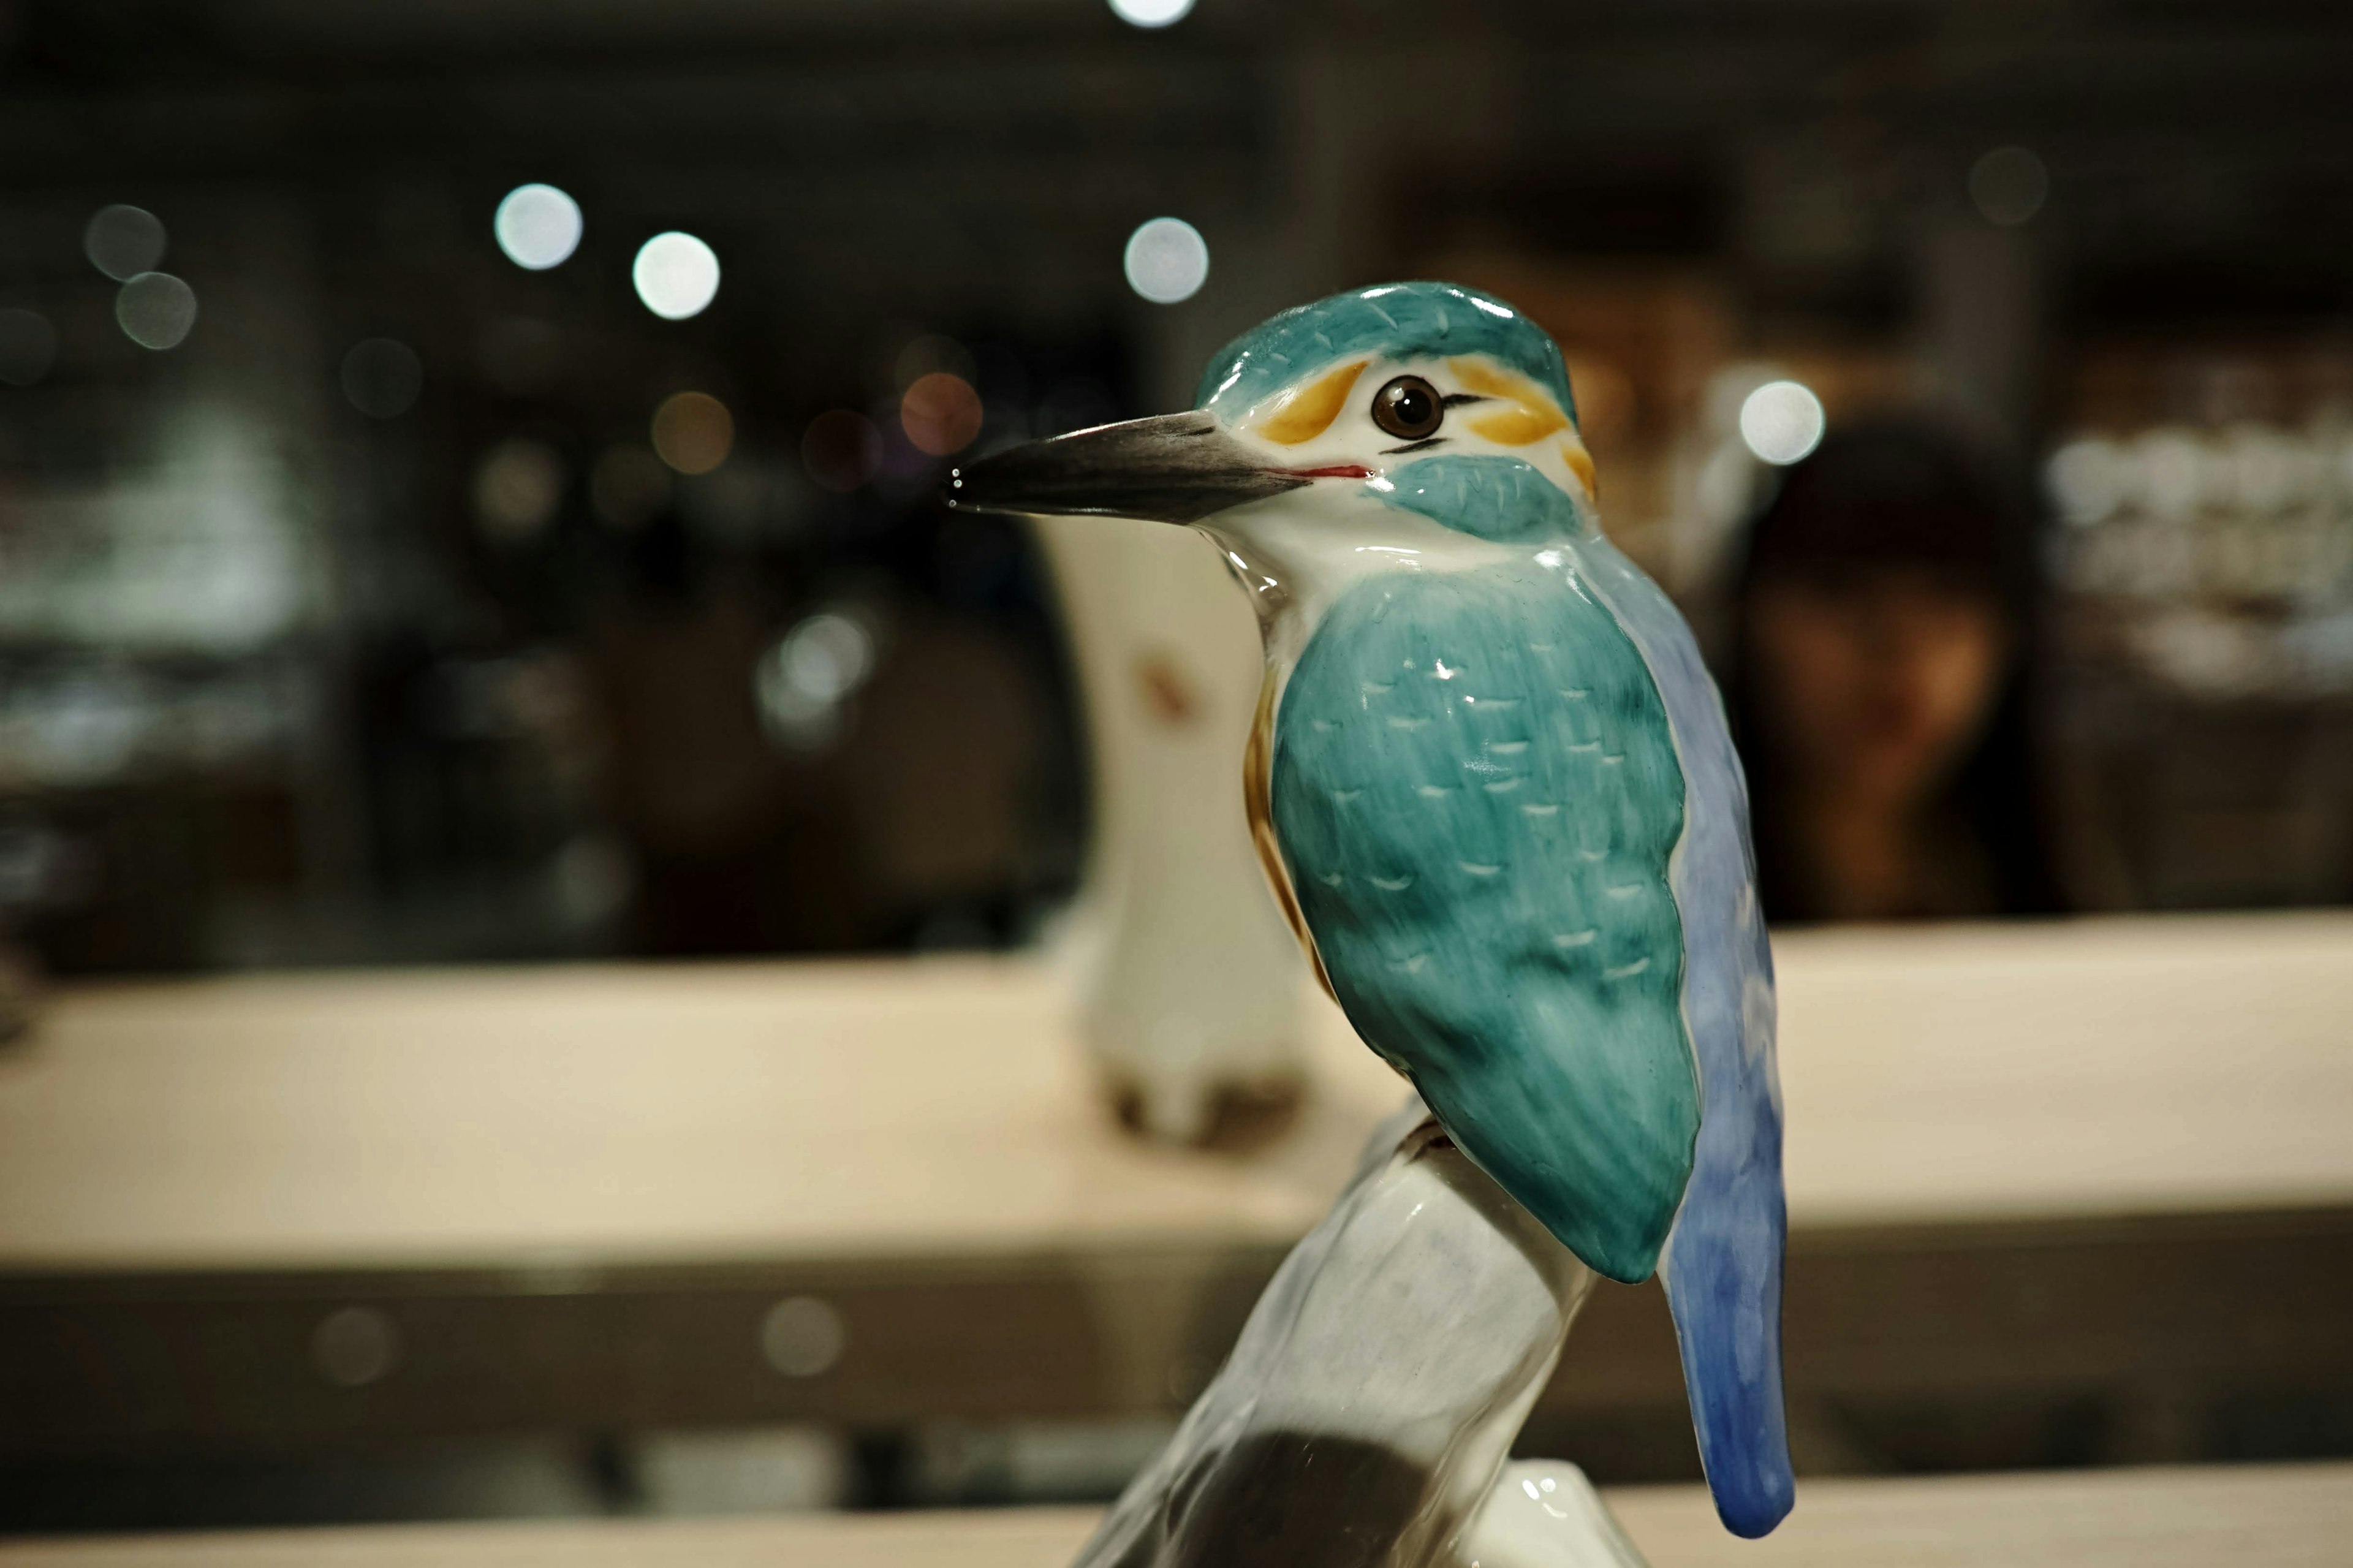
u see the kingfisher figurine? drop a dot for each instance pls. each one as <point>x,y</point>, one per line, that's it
<point>1491,784</point>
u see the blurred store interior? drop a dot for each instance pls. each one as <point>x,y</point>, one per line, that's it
<point>468,480</point>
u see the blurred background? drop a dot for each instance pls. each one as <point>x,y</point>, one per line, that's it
<point>467,472</point>
<point>387,581</point>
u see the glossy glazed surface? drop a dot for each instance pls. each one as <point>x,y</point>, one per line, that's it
<point>1584,994</point>
<point>1723,1263</point>
<point>1395,322</point>
<point>1500,498</point>
<point>1476,790</point>
<point>1372,1398</point>
<point>1511,472</point>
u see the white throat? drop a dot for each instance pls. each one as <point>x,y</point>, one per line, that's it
<point>1296,555</point>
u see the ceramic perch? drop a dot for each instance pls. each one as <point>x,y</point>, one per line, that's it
<point>1490,783</point>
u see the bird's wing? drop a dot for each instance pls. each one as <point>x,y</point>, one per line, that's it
<point>1723,1260</point>
<point>1477,794</point>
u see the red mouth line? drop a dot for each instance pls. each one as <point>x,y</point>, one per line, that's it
<point>1340,471</point>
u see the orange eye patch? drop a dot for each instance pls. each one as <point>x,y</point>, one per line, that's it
<point>1580,463</point>
<point>1532,414</point>
<point>1309,412</point>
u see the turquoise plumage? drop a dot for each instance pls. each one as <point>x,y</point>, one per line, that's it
<point>1476,794</point>
<point>1569,1075</point>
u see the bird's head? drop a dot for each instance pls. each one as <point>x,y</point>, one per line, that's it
<point>1424,398</point>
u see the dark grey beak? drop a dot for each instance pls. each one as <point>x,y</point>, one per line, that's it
<point>1176,468</point>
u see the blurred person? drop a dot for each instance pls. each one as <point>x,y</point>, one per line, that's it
<point>1882,623</point>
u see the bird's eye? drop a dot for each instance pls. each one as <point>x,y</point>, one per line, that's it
<point>1409,408</point>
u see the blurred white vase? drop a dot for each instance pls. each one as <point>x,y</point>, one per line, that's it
<point>1191,982</point>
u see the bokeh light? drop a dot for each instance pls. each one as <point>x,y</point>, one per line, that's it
<point>694,432</point>
<point>1151,13</point>
<point>841,449</point>
<point>382,376</point>
<point>354,1346</point>
<point>538,227</point>
<point>28,347</point>
<point>156,311</point>
<point>803,1336</point>
<point>517,487</point>
<point>802,683</point>
<point>2266,472</point>
<point>941,413</point>
<point>677,274</point>
<point>1168,260</point>
<point>2010,185</point>
<point>592,879</point>
<point>124,241</point>
<point>1781,421</point>
<point>2088,480</point>
<point>2170,463</point>
<point>627,486</point>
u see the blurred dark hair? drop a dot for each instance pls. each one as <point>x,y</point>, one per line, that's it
<point>1898,493</point>
<point>1908,494</point>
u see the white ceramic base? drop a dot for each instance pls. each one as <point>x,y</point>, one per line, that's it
<point>1544,1513</point>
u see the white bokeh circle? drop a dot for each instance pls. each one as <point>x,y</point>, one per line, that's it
<point>677,274</point>
<point>1168,260</point>
<point>1151,13</point>
<point>538,227</point>
<point>1782,421</point>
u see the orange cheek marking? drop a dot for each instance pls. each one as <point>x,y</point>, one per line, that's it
<point>1534,414</point>
<point>1517,426</point>
<point>1580,463</point>
<point>1485,376</point>
<point>1309,412</point>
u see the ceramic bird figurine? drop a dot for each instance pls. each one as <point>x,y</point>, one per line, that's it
<point>1492,783</point>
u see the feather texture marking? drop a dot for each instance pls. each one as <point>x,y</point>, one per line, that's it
<point>1724,1254</point>
<point>1563,1069</point>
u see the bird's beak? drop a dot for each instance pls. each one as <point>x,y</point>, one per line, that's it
<point>1175,468</point>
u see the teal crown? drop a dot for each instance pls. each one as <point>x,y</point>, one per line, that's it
<point>1398,321</point>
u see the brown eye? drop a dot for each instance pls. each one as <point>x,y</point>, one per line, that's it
<point>1409,408</point>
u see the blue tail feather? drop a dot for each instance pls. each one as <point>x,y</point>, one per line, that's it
<point>1723,1260</point>
<point>1722,1272</point>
